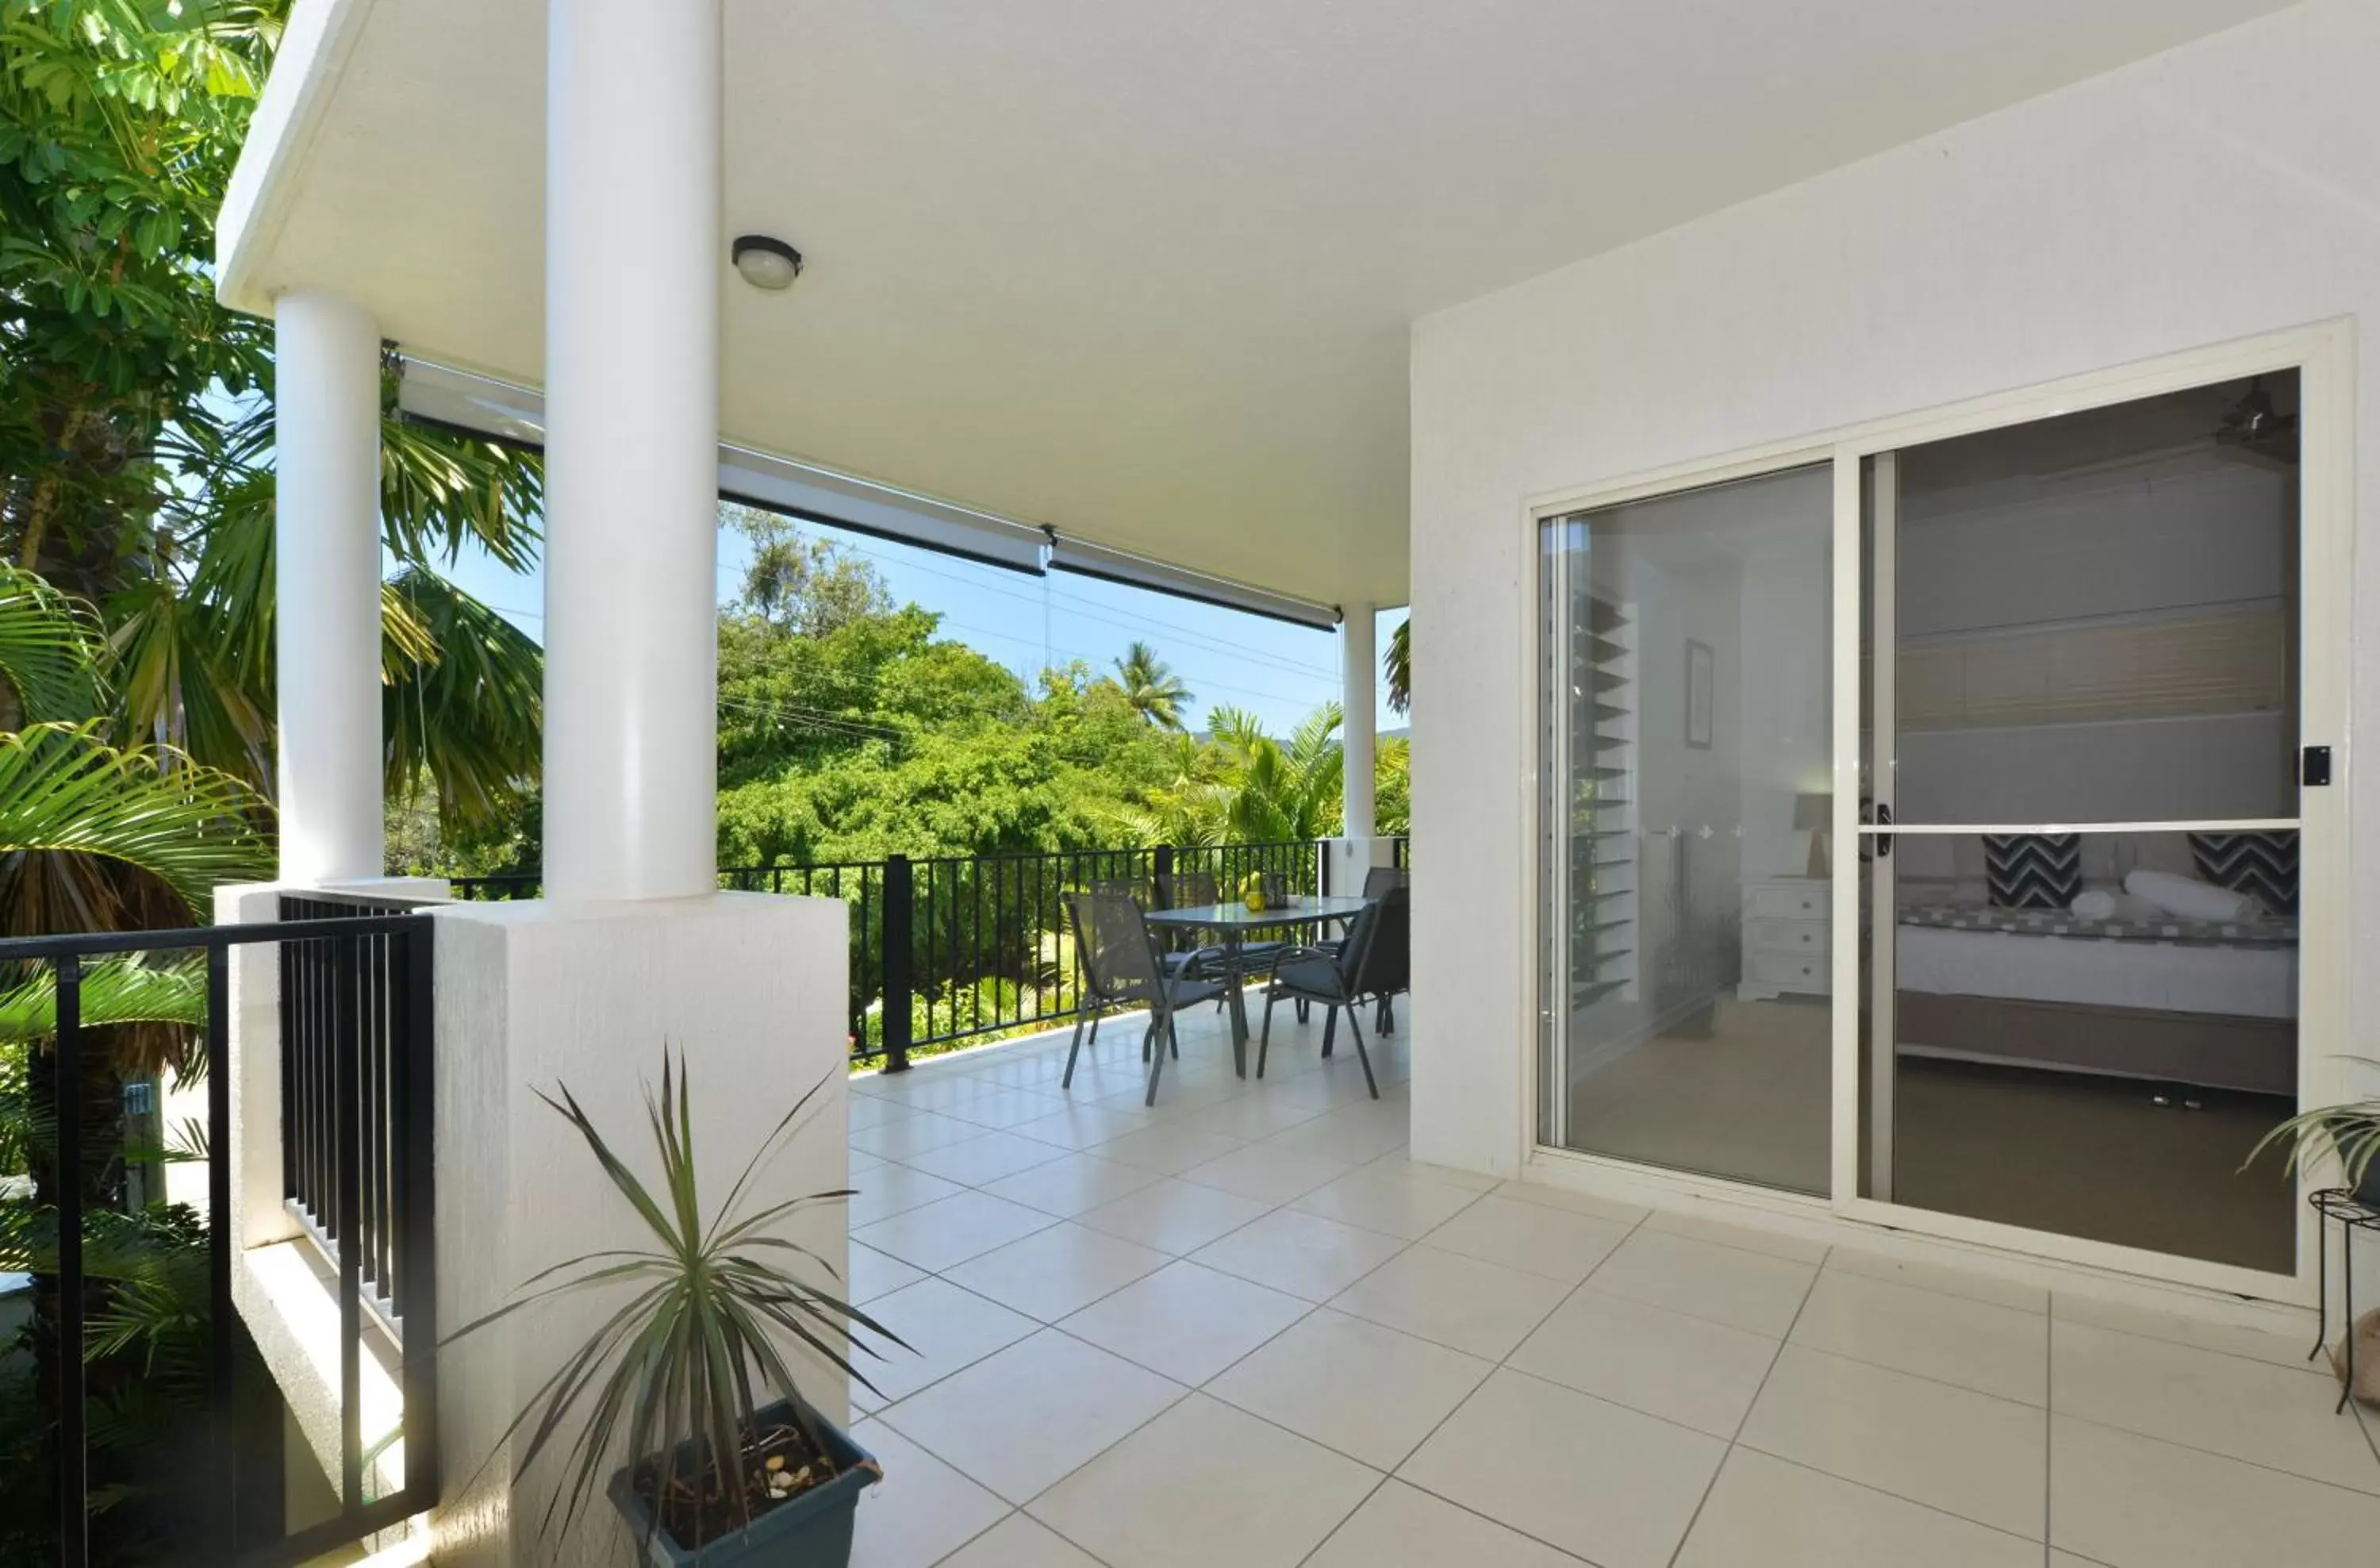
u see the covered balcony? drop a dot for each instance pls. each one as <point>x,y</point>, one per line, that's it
<point>1304,310</point>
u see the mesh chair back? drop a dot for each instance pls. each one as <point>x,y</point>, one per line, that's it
<point>1355,951</point>
<point>1379,880</point>
<point>1193,890</point>
<point>1388,964</point>
<point>1112,938</point>
<point>1116,887</point>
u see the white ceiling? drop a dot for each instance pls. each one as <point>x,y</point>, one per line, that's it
<point>1142,271</point>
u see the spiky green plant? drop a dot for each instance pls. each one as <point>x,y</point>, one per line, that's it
<point>2351,1133</point>
<point>678,1363</point>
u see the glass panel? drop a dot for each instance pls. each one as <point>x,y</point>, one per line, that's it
<point>2092,1031</point>
<point>2096,615</point>
<point>1687,731</point>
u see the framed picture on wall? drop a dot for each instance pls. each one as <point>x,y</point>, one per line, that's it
<point>1700,672</point>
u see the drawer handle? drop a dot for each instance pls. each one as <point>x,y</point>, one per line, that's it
<point>1805,939</point>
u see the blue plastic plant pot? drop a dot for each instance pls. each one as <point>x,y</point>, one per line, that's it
<point>811,1531</point>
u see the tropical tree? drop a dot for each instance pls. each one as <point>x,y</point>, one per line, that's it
<point>136,412</point>
<point>1396,665</point>
<point>1242,786</point>
<point>95,836</point>
<point>798,585</point>
<point>1155,692</point>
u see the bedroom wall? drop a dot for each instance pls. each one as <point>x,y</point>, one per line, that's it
<point>2101,646</point>
<point>2228,188</point>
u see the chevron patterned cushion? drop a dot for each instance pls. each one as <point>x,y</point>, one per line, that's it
<point>2034,871</point>
<point>2264,866</point>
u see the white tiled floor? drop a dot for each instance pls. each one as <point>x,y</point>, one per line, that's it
<point>1241,1328</point>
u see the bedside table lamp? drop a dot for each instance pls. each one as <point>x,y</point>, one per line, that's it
<point>1813,814</point>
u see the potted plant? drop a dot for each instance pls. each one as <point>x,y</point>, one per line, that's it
<point>2351,1132</point>
<point>718,1472</point>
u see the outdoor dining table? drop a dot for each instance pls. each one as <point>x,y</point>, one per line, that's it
<point>1233,921</point>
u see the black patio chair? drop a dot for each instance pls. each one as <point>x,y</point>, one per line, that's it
<point>1388,969</point>
<point>1334,980</point>
<point>1123,967</point>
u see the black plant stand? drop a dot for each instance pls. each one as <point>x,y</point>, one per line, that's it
<point>2352,1215</point>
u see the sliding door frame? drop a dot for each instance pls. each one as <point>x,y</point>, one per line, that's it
<point>2323,355</point>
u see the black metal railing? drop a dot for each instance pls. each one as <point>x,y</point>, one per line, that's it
<point>348,1020</point>
<point>347,1048</point>
<point>955,947</point>
<point>1398,852</point>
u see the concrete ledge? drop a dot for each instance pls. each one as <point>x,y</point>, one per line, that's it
<point>288,1294</point>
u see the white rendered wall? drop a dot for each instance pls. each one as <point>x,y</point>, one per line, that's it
<point>534,994</point>
<point>634,256</point>
<point>326,572</point>
<point>2223,189</point>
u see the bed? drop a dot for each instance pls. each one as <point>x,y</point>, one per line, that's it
<point>2203,1002</point>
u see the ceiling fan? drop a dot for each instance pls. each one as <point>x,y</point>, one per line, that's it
<point>2254,424</point>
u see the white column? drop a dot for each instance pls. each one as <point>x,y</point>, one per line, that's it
<point>633,261</point>
<point>1362,672</point>
<point>327,565</point>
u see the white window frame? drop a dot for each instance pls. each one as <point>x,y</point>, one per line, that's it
<point>2324,355</point>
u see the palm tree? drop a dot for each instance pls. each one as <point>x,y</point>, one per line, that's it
<point>1155,692</point>
<point>94,837</point>
<point>1396,665</point>
<point>1244,786</point>
<point>137,422</point>
<point>462,686</point>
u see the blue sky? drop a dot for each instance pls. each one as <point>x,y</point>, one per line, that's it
<point>1281,672</point>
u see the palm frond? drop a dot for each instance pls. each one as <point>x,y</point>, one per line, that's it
<point>50,645</point>
<point>65,791</point>
<point>465,701</point>
<point>1396,665</point>
<point>439,489</point>
<point>122,989</point>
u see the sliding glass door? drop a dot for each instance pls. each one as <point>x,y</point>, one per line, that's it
<point>1685,876</point>
<point>2081,718</point>
<point>1940,822</point>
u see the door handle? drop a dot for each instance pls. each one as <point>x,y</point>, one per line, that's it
<point>1880,815</point>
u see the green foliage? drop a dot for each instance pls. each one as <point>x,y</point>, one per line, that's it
<point>711,1309</point>
<point>136,416</point>
<point>49,651</point>
<point>850,730</point>
<point>1396,665</point>
<point>463,708</point>
<point>1242,786</point>
<point>126,989</point>
<point>802,586</point>
<point>66,794</point>
<point>2349,1134</point>
<point>1155,692</point>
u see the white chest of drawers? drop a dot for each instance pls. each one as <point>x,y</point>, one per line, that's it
<point>1786,940</point>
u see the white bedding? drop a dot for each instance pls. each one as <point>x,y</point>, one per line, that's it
<point>2247,982</point>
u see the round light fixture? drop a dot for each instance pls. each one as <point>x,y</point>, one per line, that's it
<point>767,263</point>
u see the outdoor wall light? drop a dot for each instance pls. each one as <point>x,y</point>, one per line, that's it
<point>767,263</point>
